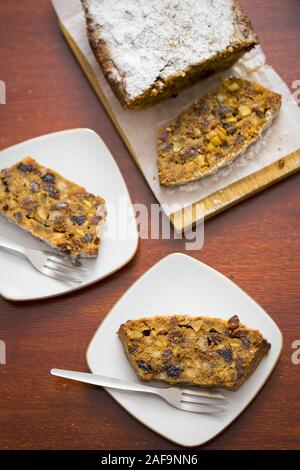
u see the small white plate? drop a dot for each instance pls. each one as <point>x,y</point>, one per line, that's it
<point>81,156</point>
<point>181,284</point>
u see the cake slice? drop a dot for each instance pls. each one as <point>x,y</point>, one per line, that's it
<point>51,208</point>
<point>149,50</point>
<point>215,130</point>
<point>203,351</point>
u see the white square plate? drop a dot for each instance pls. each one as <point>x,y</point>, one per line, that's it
<point>80,156</point>
<point>181,284</point>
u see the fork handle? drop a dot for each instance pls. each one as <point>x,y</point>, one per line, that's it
<point>11,246</point>
<point>108,382</point>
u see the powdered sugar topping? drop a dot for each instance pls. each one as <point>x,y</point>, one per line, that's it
<point>159,38</point>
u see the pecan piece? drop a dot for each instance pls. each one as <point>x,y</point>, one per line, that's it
<point>78,219</point>
<point>233,323</point>
<point>60,206</point>
<point>167,355</point>
<point>199,108</point>
<point>52,190</point>
<point>25,168</point>
<point>18,216</point>
<point>259,112</point>
<point>175,337</point>
<point>239,333</point>
<point>5,172</point>
<point>133,348</point>
<point>225,354</point>
<point>189,153</point>
<point>240,368</point>
<point>144,366</point>
<point>60,225</point>
<point>164,136</point>
<point>224,111</point>
<point>30,205</point>
<point>35,187</point>
<point>240,139</point>
<point>88,238</point>
<point>245,342</point>
<point>215,336</point>
<point>48,178</point>
<point>65,248</point>
<point>173,371</point>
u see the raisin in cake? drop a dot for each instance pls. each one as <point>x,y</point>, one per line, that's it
<point>51,208</point>
<point>149,50</point>
<point>215,130</point>
<point>208,352</point>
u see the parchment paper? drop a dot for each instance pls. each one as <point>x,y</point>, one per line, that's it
<point>141,127</point>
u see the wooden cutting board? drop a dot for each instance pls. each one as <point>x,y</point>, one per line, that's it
<point>220,200</point>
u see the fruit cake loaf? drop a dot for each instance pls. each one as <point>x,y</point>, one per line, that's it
<point>51,208</point>
<point>215,130</point>
<point>149,50</point>
<point>208,352</point>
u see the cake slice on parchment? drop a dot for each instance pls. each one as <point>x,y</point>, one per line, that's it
<point>215,130</point>
<point>53,209</point>
<point>149,50</point>
<point>203,351</point>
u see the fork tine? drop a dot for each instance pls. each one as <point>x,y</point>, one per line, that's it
<point>65,263</point>
<point>203,400</point>
<point>204,409</point>
<point>60,276</point>
<point>64,269</point>
<point>67,275</point>
<point>203,393</point>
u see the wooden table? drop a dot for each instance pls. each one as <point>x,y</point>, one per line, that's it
<point>256,243</point>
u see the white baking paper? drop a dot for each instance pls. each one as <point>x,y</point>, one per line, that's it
<point>140,127</point>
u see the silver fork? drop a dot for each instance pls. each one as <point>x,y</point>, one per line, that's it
<point>47,262</point>
<point>192,399</point>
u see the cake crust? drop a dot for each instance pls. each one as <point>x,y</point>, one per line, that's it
<point>167,79</point>
<point>215,130</point>
<point>203,351</point>
<point>51,208</point>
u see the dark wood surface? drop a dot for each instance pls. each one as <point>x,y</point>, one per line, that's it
<point>256,243</point>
